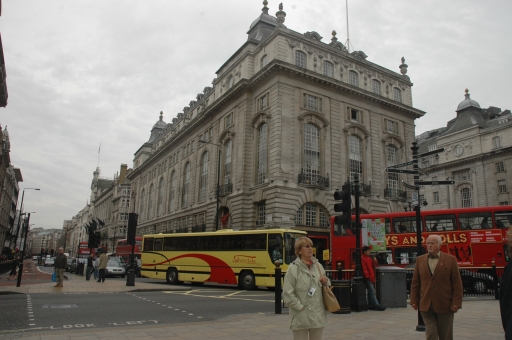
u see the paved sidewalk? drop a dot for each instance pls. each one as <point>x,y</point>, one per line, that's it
<point>478,319</point>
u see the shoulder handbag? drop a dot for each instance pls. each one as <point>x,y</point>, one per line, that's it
<point>54,276</point>
<point>330,301</point>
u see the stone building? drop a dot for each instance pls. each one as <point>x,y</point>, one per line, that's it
<point>477,155</point>
<point>287,121</point>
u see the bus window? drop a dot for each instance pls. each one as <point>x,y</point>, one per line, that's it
<point>387,223</point>
<point>404,224</point>
<point>168,243</point>
<point>158,244</point>
<point>275,247</point>
<point>482,220</point>
<point>440,222</point>
<point>406,255</point>
<point>503,219</point>
<point>148,244</point>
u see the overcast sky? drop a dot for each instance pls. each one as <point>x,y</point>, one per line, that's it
<point>81,73</point>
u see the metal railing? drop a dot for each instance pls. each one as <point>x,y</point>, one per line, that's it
<point>395,194</point>
<point>364,189</point>
<point>313,179</point>
<point>225,189</point>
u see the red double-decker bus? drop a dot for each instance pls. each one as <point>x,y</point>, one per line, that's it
<point>124,250</point>
<point>477,237</point>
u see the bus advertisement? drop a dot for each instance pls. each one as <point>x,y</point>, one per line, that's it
<point>475,236</point>
<point>244,258</point>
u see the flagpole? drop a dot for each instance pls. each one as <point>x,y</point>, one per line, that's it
<point>99,149</point>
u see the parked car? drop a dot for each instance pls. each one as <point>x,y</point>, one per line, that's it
<point>115,269</point>
<point>472,281</point>
<point>119,260</point>
<point>49,262</point>
<point>70,260</point>
<point>73,266</point>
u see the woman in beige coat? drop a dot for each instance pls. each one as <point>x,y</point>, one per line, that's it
<point>302,293</point>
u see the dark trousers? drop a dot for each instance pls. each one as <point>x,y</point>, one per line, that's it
<point>102,275</point>
<point>88,273</point>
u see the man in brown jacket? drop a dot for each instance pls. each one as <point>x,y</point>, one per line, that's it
<point>437,290</point>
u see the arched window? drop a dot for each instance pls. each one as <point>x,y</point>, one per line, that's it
<point>150,202</point>
<point>262,153</point>
<point>355,157</point>
<point>227,161</point>
<point>311,163</point>
<point>141,207</point>
<point>160,209</point>
<point>172,191</point>
<point>203,180</point>
<point>376,86</point>
<point>353,78</point>
<point>186,186</point>
<point>328,69</point>
<point>311,214</point>
<point>300,59</point>
<point>392,159</point>
<point>397,94</point>
<point>467,201</point>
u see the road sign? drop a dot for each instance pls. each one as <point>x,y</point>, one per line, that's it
<point>400,165</point>
<point>408,186</point>
<point>433,182</point>
<point>397,171</point>
<point>433,152</point>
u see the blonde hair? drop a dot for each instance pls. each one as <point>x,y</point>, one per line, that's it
<point>301,242</point>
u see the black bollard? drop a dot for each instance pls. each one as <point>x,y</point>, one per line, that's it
<point>278,288</point>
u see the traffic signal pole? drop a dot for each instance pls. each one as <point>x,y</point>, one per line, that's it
<point>358,297</point>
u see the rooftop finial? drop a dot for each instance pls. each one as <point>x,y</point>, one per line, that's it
<point>161,115</point>
<point>280,15</point>
<point>334,39</point>
<point>265,8</point>
<point>467,93</point>
<point>403,67</point>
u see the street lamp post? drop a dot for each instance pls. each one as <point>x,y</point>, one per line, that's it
<point>19,215</point>
<point>218,184</point>
<point>20,270</point>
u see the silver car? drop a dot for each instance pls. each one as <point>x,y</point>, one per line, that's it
<point>115,269</point>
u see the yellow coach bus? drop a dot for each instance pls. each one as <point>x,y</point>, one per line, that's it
<point>245,258</point>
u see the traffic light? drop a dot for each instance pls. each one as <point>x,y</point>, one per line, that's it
<point>344,207</point>
<point>97,239</point>
<point>132,227</point>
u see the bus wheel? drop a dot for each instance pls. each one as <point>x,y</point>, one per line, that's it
<point>172,276</point>
<point>247,281</point>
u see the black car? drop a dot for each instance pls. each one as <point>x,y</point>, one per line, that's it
<point>472,281</point>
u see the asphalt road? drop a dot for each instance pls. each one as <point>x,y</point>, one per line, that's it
<point>96,310</point>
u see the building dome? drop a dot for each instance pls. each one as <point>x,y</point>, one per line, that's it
<point>266,18</point>
<point>468,102</point>
<point>160,124</point>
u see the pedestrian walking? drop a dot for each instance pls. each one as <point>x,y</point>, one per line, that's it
<point>90,267</point>
<point>436,290</point>
<point>102,266</point>
<point>506,293</point>
<point>368,265</point>
<point>96,263</point>
<point>14,267</point>
<point>302,293</point>
<point>61,262</point>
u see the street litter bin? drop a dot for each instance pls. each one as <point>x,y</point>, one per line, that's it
<point>342,291</point>
<point>392,286</point>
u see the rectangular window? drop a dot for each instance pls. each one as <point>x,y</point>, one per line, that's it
<point>475,221</point>
<point>228,120</point>
<point>502,186</point>
<point>463,176</point>
<point>496,142</point>
<point>436,196</point>
<point>355,115</point>
<point>353,78</point>
<point>397,94</point>
<point>376,86</point>
<point>328,69</point>
<point>300,59</point>
<point>441,222</point>
<point>504,203</point>
<point>264,61</point>
<point>310,214</point>
<point>500,167</point>
<point>261,213</point>
<point>312,103</point>
<point>391,126</point>
<point>432,147</point>
<point>264,102</point>
<point>503,218</point>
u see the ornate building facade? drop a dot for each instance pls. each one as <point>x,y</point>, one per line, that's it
<point>477,155</point>
<point>287,121</point>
